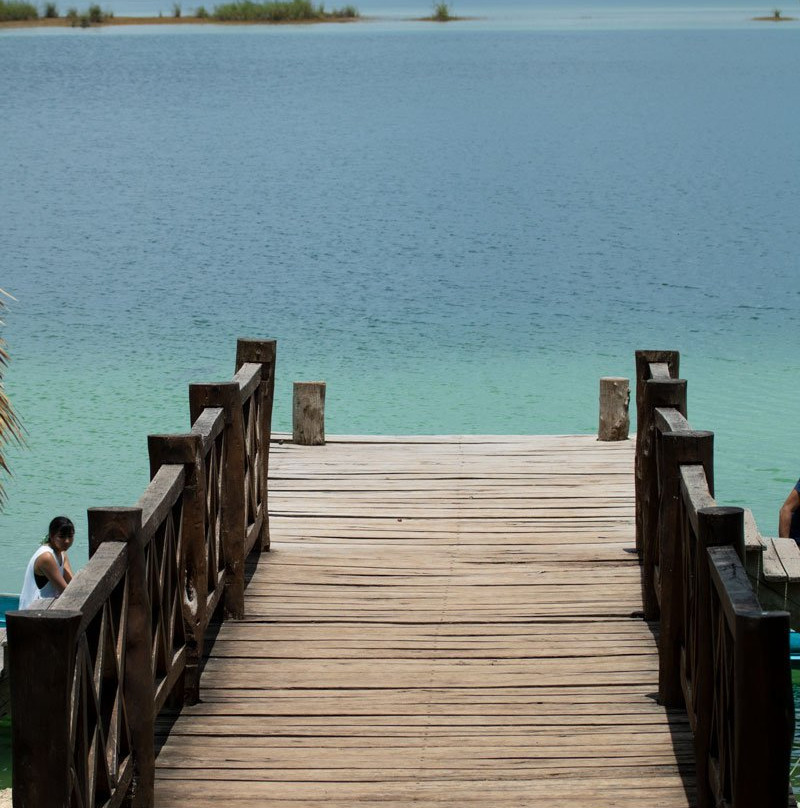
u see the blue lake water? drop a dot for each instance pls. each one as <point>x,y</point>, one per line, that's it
<point>460,228</point>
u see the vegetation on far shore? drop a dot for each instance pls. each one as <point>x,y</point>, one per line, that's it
<point>236,11</point>
<point>441,13</point>
<point>13,10</point>
<point>278,11</point>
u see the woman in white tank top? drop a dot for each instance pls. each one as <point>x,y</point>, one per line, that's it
<point>49,570</point>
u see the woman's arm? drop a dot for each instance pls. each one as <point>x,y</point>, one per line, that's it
<point>68,576</point>
<point>787,509</point>
<point>46,565</point>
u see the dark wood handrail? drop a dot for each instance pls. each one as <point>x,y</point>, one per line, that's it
<point>721,656</point>
<point>127,634</point>
<point>751,648</point>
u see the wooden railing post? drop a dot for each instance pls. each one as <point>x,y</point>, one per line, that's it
<point>265,353</point>
<point>644,420</point>
<point>765,724</point>
<point>656,393</point>
<point>187,450</point>
<point>42,656</point>
<point>716,527</point>
<point>676,449</point>
<point>124,525</point>
<point>308,413</point>
<point>227,396</point>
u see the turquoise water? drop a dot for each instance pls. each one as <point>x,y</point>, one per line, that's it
<point>7,604</point>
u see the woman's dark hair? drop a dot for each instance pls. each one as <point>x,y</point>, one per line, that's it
<point>60,526</point>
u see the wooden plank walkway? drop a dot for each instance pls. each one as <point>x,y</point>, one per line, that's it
<point>441,621</point>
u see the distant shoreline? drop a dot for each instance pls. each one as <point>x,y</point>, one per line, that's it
<point>63,22</point>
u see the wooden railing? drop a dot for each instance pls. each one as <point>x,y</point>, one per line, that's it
<point>91,669</point>
<point>721,656</point>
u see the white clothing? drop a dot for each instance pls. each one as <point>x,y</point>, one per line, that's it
<point>30,589</point>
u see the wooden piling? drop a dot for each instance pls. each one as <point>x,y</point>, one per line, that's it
<point>308,413</point>
<point>615,420</point>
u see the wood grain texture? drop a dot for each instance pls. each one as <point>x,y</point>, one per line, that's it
<point>440,621</point>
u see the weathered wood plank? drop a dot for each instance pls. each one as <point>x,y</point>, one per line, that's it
<point>772,565</point>
<point>789,554</point>
<point>440,621</point>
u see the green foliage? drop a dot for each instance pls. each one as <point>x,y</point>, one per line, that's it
<point>92,16</point>
<point>246,10</point>
<point>50,11</point>
<point>441,13</point>
<point>776,14</point>
<point>277,11</point>
<point>348,12</point>
<point>13,10</point>
<point>176,10</point>
<point>201,13</point>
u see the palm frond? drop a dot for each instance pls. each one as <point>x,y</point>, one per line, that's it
<point>11,430</point>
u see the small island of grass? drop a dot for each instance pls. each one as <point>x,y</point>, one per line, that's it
<point>776,16</point>
<point>441,13</point>
<point>15,13</point>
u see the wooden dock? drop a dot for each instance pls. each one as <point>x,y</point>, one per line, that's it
<point>440,621</point>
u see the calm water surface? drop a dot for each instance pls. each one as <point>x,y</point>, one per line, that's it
<point>459,227</point>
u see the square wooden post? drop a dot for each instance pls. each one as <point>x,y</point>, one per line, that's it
<point>644,420</point>
<point>716,527</point>
<point>656,393</point>
<point>675,449</point>
<point>42,649</point>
